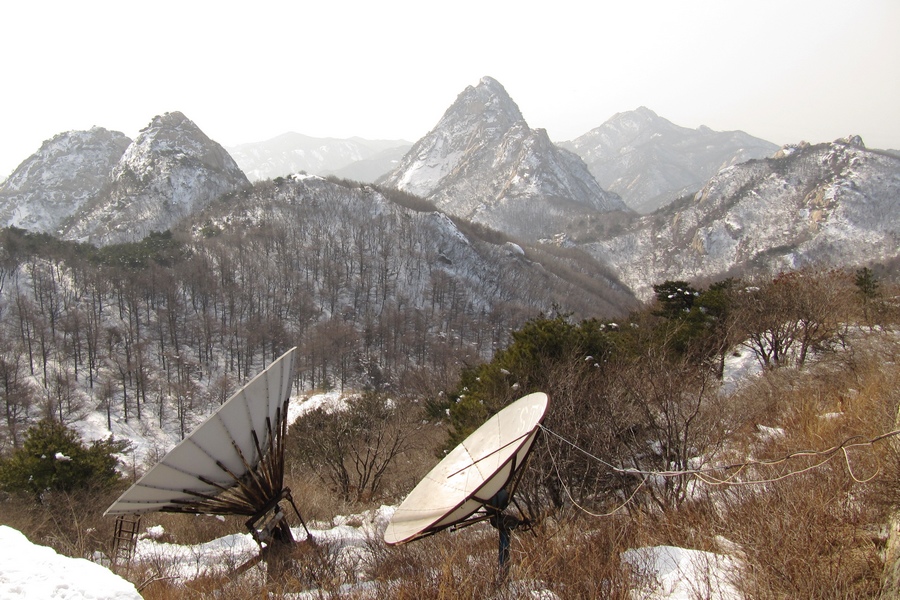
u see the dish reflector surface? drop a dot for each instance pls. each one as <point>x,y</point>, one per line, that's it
<point>471,474</point>
<point>232,463</point>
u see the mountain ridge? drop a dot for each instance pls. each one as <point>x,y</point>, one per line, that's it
<point>482,163</point>
<point>831,204</point>
<point>649,161</point>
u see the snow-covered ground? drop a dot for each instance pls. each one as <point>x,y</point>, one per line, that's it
<point>680,574</point>
<point>33,572</point>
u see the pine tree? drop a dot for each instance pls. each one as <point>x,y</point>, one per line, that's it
<point>53,458</point>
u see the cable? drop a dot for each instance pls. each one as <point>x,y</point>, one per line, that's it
<point>581,508</point>
<point>705,474</point>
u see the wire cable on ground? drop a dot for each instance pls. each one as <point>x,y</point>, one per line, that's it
<point>707,476</point>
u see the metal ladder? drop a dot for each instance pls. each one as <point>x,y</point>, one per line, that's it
<point>125,538</point>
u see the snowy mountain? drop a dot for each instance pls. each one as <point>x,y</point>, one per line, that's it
<point>294,153</point>
<point>482,162</point>
<point>831,204</point>
<point>56,181</point>
<point>650,161</point>
<point>170,171</point>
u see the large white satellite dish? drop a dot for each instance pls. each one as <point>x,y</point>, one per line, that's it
<point>472,476</point>
<point>233,463</point>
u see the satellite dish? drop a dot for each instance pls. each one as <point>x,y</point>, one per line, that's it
<point>232,464</point>
<point>478,475</point>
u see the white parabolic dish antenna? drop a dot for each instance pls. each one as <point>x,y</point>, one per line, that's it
<point>471,474</point>
<point>233,463</point>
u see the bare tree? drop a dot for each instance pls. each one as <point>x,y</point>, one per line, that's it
<point>354,448</point>
<point>784,319</point>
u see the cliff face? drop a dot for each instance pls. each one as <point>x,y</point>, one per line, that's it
<point>171,170</point>
<point>68,171</point>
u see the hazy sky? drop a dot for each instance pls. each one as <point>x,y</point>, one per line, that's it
<point>782,70</point>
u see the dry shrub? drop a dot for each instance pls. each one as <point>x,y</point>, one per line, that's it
<point>71,523</point>
<point>577,558</point>
<point>459,564</point>
<point>302,567</point>
<point>561,555</point>
<point>192,529</point>
<point>813,530</point>
<point>317,500</point>
<point>314,500</point>
<point>803,538</point>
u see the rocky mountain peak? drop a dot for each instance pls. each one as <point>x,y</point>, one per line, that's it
<point>637,119</point>
<point>173,134</point>
<point>171,170</point>
<point>852,140</point>
<point>481,115</point>
<point>66,172</point>
<point>483,162</point>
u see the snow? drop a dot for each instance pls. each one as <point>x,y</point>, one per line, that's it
<point>149,441</point>
<point>329,402</point>
<point>681,574</point>
<point>350,537</point>
<point>29,571</point>
<point>740,367</point>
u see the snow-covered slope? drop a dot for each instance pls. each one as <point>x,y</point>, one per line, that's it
<point>56,181</point>
<point>170,171</point>
<point>294,153</point>
<point>831,204</point>
<point>29,571</point>
<point>482,162</point>
<point>650,161</point>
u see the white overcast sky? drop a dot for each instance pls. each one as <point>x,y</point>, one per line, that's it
<point>782,70</point>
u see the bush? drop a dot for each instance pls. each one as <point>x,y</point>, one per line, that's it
<point>355,447</point>
<point>54,459</point>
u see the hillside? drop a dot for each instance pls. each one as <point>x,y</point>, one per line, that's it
<point>66,173</point>
<point>825,204</point>
<point>647,463</point>
<point>372,292</point>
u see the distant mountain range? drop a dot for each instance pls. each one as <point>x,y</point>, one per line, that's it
<point>650,161</point>
<point>354,158</point>
<point>832,204</point>
<point>723,203</point>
